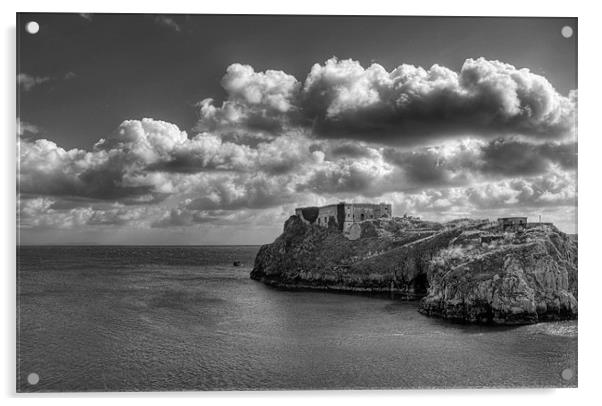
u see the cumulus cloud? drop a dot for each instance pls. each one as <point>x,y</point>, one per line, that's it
<point>183,216</point>
<point>366,176</point>
<point>552,189</point>
<point>45,213</point>
<point>512,196</point>
<point>463,162</point>
<point>486,139</point>
<point>168,22</point>
<point>47,169</point>
<point>453,163</point>
<point>148,161</point>
<point>257,101</point>
<point>26,129</point>
<point>115,169</point>
<point>27,82</point>
<point>411,103</point>
<point>407,105</point>
<point>511,157</point>
<point>243,191</point>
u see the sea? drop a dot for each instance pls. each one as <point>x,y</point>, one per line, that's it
<point>184,318</point>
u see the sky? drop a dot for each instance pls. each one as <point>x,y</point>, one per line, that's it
<point>209,129</point>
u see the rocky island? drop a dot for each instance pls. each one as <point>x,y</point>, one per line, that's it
<point>465,270</point>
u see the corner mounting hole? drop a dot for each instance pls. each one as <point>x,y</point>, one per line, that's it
<point>33,378</point>
<point>567,374</point>
<point>567,31</point>
<point>32,27</point>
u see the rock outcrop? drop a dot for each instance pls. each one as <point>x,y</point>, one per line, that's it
<point>529,277</point>
<point>521,277</point>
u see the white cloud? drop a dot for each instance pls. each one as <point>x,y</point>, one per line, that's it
<point>408,105</point>
<point>257,102</point>
<point>433,141</point>
<point>272,89</point>
<point>24,128</point>
<point>27,82</point>
<point>168,22</point>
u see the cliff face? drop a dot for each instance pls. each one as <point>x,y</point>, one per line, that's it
<point>383,260</point>
<point>530,278</point>
<point>522,278</point>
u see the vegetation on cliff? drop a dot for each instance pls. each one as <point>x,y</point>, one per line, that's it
<point>461,270</point>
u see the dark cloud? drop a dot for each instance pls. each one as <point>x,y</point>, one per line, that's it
<point>514,158</point>
<point>564,155</point>
<point>461,163</point>
<point>436,166</point>
<point>350,150</point>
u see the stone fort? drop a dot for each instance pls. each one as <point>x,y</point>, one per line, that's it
<point>343,215</point>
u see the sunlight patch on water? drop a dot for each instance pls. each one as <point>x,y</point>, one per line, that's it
<point>560,328</point>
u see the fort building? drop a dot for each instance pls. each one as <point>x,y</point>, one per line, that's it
<point>343,215</point>
<point>539,224</point>
<point>512,223</point>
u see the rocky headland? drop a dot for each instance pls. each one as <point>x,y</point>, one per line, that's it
<point>464,270</point>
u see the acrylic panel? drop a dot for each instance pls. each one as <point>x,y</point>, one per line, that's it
<point>268,202</point>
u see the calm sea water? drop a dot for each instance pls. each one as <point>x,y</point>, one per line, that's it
<point>183,318</point>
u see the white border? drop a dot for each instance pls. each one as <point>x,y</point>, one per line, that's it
<point>589,32</point>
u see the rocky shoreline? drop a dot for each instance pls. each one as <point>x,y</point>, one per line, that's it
<point>388,292</point>
<point>455,269</point>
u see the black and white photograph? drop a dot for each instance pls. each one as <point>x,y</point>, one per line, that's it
<point>235,202</point>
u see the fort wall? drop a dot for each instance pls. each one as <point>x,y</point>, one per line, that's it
<point>343,215</point>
